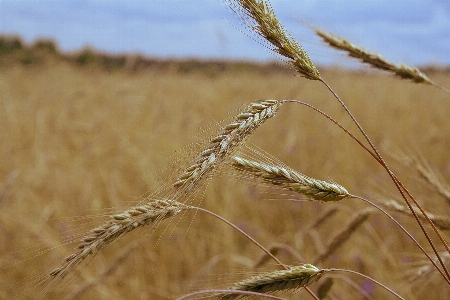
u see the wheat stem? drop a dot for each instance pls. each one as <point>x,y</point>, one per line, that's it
<point>367,277</point>
<point>234,292</point>
<point>400,187</point>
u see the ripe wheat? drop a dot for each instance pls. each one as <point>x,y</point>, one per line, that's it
<point>313,188</point>
<point>294,277</point>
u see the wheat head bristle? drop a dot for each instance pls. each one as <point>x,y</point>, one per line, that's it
<point>280,280</point>
<point>259,16</point>
<point>221,145</point>
<point>313,188</point>
<point>373,59</point>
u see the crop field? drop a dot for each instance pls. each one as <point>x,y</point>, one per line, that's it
<point>79,144</point>
<point>186,176</point>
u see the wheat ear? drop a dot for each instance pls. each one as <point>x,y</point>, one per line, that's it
<point>313,188</point>
<point>220,146</point>
<point>374,59</point>
<point>260,18</point>
<point>119,225</point>
<point>294,277</point>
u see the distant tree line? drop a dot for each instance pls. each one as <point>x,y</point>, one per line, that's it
<point>14,50</point>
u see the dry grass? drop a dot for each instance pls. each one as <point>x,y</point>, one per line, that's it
<point>80,145</point>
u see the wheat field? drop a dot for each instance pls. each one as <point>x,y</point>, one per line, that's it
<point>174,178</point>
<point>80,143</point>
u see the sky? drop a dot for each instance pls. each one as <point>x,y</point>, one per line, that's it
<point>415,32</point>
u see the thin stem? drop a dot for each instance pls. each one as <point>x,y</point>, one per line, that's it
<point>206,292</point>
<point>244,233</point>
<point>367,277</point>
<point>441,88</point>
<point>399,186</point>
<point>405,231</point>
<point>380,161</point>
<point>253,240</point>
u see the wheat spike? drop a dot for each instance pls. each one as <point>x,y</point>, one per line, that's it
<point>119,225</point>
<point>373,59</point>
<point>313,188</point>
<point>280,280</point>
<point>260,18</point>
<point>221,145</point>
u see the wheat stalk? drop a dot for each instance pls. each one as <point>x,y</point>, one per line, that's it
<point>260,18</point>
<point>294,181</point>
<point>374,59</point>
<point>294,277</point>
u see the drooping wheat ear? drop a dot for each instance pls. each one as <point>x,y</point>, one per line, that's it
<point>280,280</point>
<point>441,222</point>
<point>313,188</point>
<point>346,232</point>
<point>221,145</point>
<point>119,225</point>
<point>373,59</point>
<point>260,18</point>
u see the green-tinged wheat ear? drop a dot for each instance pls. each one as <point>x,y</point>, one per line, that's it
<point>260,18</point>
<point>280,280</point>
<point>119,225</point>
<point>313,188</point>
<point>221,145</point>
<point>373,59</point>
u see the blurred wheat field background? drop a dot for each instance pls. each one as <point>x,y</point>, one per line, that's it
<point>79,143</point>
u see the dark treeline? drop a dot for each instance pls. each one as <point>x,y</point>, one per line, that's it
<point>13,50</point>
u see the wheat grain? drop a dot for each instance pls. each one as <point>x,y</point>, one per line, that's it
<point>260,18</point>
<point>294,181</point>
<point>294,277</point>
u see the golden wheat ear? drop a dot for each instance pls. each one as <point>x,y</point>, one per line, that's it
<point>294,277</point>
<point>373,59</point>
<point>293,181</point>
<point>260,18</point>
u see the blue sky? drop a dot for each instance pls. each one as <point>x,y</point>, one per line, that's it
<point>410,31</point>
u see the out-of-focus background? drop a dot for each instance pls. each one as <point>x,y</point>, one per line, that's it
<point>88,131</point>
